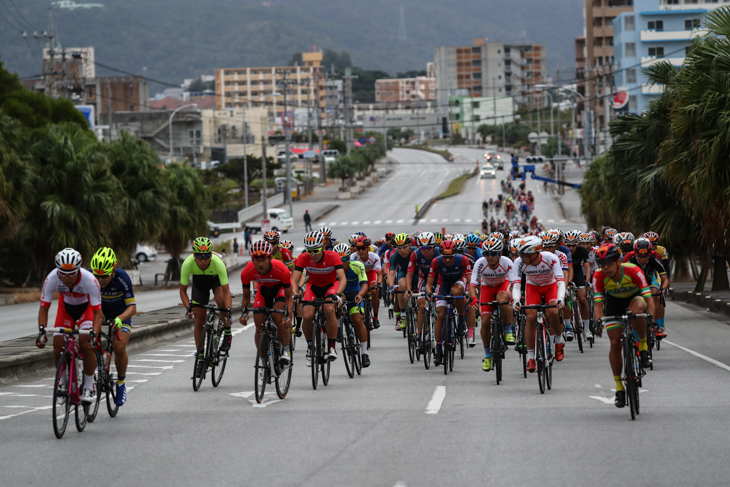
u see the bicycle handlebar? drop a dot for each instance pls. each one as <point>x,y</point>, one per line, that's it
<point>439,296</point>
<point>264,309</point>
<point>628,316</point>
<point>495,303</point>
<point>72,331</point>
<point>209,307</point>
<point>539,306</point>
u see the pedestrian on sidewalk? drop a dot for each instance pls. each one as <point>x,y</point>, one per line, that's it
<point>307,221</point>
<point>247,237</point>
<point>235,246</point>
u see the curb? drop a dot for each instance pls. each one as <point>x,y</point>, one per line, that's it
<point>702,300</point>
<point>36,362</point>
<point>426,206</point>
<point>326,212</point>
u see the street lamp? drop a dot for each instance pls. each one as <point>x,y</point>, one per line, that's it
<point>170,121</point>
<point>552,126</point>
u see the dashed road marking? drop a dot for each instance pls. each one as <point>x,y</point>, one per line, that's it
<point>437,400</point>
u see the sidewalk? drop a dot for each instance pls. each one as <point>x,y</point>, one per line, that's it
<point>570,201</point>
<point>714,301</point>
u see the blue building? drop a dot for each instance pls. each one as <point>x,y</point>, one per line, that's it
<point>655,30</point>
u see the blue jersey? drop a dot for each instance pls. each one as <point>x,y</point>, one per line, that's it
<point>117,295</point>
<point>356,276</point>
<point>420,262</point>
<point>567,253</point>
<point>399,264</point>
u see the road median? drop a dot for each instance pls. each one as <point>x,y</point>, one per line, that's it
<point>456,186</point>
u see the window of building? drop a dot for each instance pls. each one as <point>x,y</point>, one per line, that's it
<point>456,103</point>
<point>91,92</point>
<point>477,88</point>
<point>609,41</point>
<point>131,107</point>
<point>476,62</point>
<point>657,25</point>
<point>633,103</point>
<point>691,24</point>
<point>476,50</point>
<point>630,49</point>
<point>631,75</point>
<point>457,116</point>
<point>671,2</point>
<point>476,76</point>
<point>507,62</point>
<point>475,104</point>
<point>690,1</point>
<point>656,51</point>
<point>131,90</point>
<point>629,22</point>
<point>476,118</point>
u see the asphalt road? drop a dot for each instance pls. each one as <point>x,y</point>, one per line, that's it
<point>397,424</point>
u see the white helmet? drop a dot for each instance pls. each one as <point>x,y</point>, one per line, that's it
<point>68,260</point>
<point>492,245</point>
<point>550,238</point>
<point>314,240</point>
<point>529,245</point>
<point>426,239</point>
<point>342,249</point>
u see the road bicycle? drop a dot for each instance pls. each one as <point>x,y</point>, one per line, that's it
<point>520,341</point>
<point>349,343</point>
<point>427,337</point>
<point>412,326</point>
<point>575,316</point>
<point>544,357</point>
<point>368,316</point>
<point>68,383</point>
<point>319,350</point>
<point>633,372</point>
<point>592,318</point>
<point>209,356</point>
<point>448,333</point>
<point>104,378</point>
<point>497,344</point>
<point>268,358</point>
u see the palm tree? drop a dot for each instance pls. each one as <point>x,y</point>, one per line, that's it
<point>14,176</point>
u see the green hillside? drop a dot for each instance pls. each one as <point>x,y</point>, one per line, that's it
<point>171,40</point>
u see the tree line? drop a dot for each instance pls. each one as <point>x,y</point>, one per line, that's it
<point>669,168</point>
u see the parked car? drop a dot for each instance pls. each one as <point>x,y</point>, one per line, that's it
<point>145,253</point>
<point>280,221</point>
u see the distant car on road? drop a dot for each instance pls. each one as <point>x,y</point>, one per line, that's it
<point>495,158</point>
<point>488,172</point>
<point>145,253</point>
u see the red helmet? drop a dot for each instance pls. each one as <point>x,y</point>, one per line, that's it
<point>652,236</point>
<point>448,247</point>
<point>607,252</point>
<point>260,248</point>
<point>362,241</point>
<point>389,236</point>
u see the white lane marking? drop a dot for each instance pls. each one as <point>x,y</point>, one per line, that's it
<point>242,394</point>
<point>457,220</point>
<point>167,355</point>
<point>468,220</point>
<point>299,249</point>
<point>551,221</point>
<point>562,221</point>
<point>699,355</point>
<point>164,367</point>
<point>161,351</point>
<point>17,394</point>
<point>183,345</point>
<point>388,221</point>
<point>333,224</point>
<point>242,329</point>
<point>400,484</point>
<point>376,222</point>
<point>604,400</point>
<point>434,220</point>
<point>366,223</point>
<point>438,398</point>
<point>391,179</point>
<point>35,385</point>
<point>445,220</point>
<point>158,361</point>
<point>144,373</point>
<point>421,175</point>
<point>355,223</point>
<point>341,223</point>
<point>399,221</point>
<point>269,399</point>
<point>25,412</point>
<point>136,380</point>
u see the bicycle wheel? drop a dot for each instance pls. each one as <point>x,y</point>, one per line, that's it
<point>411,332</point>
<point>314,353</point>
<point>540,358</point>
<point>98,387</point>
<point>578,325</point>
<point>81,411</point>
<point>445,345</point>
<point>283,381</point>
<point>265,347</point>
<point>630,376</point>
<point>293,339</point>
<point>325,362</point>
<point>347,348</point>
<point>368,321</point>
<point>198,379</point>
<point>109,383</point>
<point>219,363</point>
<point>426,338</point>
<point>357,349</point>
<point>60,392</point>
<point>496,348</point>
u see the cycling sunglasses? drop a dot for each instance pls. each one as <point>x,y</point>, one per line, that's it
<point>492,254</point>
<point>102,276</point>
<point>362,247</point>
<point>66,273</point>
<point>606,263</point>
<point>404,247</point>
<point>344,258</point>
<point>427,247</point>
<point>314,251</point>
<point>199,256</point>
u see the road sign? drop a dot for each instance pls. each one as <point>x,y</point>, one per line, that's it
<point>372,140</point>
<point>309,154</point>
<point>88,112</point>
<point>542,138</point>
<point>362,140</point>
<point>620,98</point>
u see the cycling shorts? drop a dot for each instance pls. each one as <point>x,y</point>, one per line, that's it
<point>489,294</point>
<point>70,315</point>
<point>267,296</point>
<point>533,294</point>
<point>446,287</point>
<point>319,292</point>
<point>613,306</point>
<point>578,278</point>
<point>354,308</point>
<point>202,286</point>
<point>654,283</point>
<point>372,278</point>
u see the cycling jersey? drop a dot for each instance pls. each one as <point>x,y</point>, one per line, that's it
<point>420,262</point>
<point>371,264</point>
<point>445,276</point>
<point>399,264</point>
<point>563,260</point>
<point>579,258</point>
<point>652,267</point>
<point>473,258</point>
<point>270,285</point>
<point>486,276</point>
<point>356,276</point>
<point>75,303</point>
<point>546,272</point>
<point>631,283</point>
<point>322,273</point>
<point>206,280</point>
<point>117,296</point>
<point>566,251</point>
<point>285,256</point>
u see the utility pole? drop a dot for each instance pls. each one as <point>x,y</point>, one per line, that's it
<point>494,97</point>
<point>287,136</point>
<point>245,159</point>
<point>504,140</point>
<point>348,106</point>
<point>263,180</point>
<point>471,100</point>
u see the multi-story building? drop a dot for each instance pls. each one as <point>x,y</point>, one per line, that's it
<point>490,69</point>
<point>580,85</point>
<point>405,89</point>
<point>263,86</point>
<point>656,30</point>
<point>599,54</point>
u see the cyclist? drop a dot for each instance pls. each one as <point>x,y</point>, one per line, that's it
<point>654,271</point>
<point>473,253</point>
<point>327,233</point>
<point>607,234</point>
<point>388,245</point>
<point>420,263</point>
<point>490,279</point>
<point>625,243</point>
<point>550,241</point>
<point>581,269</point>
<point>355,290</point>
<point>397,275</point>
<point>324,269</point>
<point>274,291</point>
<point>374,271</point>
<point>664,257</point>
<point>450,272</point>
<point>117,304</point>
<point>545,279</point>
<point>79,303</point>
<point>209,274</point>
<point>625,288</point>
<point>279,252</point>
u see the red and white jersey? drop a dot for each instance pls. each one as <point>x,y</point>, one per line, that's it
<point>592,259</point>
<point>372,264</point>
<point>486,276</point>
<point>547,271</point>
<point>85,290</point>
<point>563,260</point>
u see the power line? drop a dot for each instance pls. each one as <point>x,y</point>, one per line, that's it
<point>21,15</point>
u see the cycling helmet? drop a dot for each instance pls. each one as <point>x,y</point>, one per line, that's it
<point>550,238</point>
<point>513,245</point>
<point>642,246</point>
<point>401,239</point>
<point>426,239</point>
<point>571,238</point>
<point>202,245</point>
<point>460,244</point>
<point>473,239</point>
<point>389,236</point>
<point>448,236</point>
<point>458,236</point>
<point>607,252</point>
<point>609,233</point>
<point>529,245</point>
<point>653,237</point>
<point>483,237</point>
<point>343,250</point>
<point>626,241</point>
<point>272,236</point>
<point>557,232</point>
<point>496,236</point>
<point>513,234</point>
<point>492,245</point>
<point>260,248</point>
<point>438,238</point>
<point>286,244</point>
<point>353,238</point>
<point>414,239</point>
<point>314,240</point>
<point>362,242</point>
<point>326,232</point>
<point>448,247</point>
<point>380,242</point>
<point>103,262</point>
<point>588,238</point>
